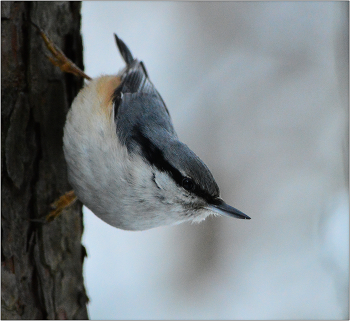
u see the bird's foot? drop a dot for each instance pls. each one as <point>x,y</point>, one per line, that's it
<point>58,58</point>
<point>60,204</point>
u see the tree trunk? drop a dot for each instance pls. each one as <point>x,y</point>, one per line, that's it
<point>41,264</point>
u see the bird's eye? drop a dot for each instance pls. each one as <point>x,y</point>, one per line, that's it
<point>188,184</point>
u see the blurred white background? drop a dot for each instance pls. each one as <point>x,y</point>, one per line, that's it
<point>259,90</point>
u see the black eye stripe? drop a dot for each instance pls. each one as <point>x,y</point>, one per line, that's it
<point>156,158</point>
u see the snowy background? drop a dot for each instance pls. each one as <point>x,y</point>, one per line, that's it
<point>259,90</point>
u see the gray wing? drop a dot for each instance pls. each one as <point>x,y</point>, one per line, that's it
<point>137,104</point>
<point>145,113</point>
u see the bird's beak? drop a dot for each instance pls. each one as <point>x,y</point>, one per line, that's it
<point>220,207</point>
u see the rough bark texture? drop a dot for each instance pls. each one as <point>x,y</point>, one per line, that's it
<point>41,263</point>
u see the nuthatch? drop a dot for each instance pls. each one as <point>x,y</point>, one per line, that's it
<point>125,161</point>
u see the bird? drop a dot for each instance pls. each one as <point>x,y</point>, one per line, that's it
<point>125,161</point>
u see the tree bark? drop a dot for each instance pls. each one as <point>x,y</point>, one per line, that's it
<point>41,263</point>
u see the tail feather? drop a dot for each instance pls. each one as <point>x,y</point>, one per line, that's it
<point>135,83</point>
<point>124,50</point>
